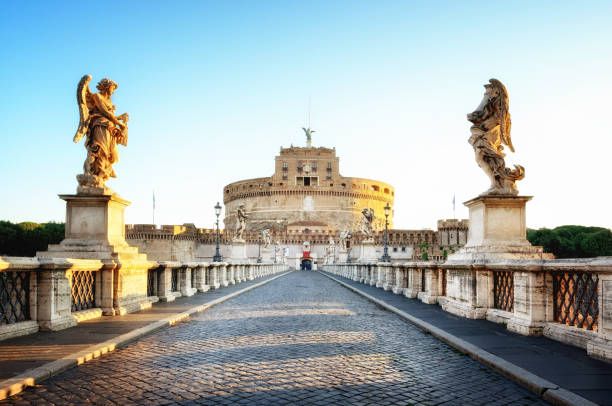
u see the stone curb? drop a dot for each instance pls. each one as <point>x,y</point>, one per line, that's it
<point>545,389</point>
<point>16,384</point>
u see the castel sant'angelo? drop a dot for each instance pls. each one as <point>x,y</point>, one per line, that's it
<point>305,200</point>
<point>307,192</point>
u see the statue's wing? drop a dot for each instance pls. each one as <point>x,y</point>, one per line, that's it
<point>82,93</point>
<point>504,111</point>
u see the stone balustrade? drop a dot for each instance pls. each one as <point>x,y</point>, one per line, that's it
<point>50,294</point>
<point>566,300</point>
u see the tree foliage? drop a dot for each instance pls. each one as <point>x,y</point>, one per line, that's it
<point>24,239</point>
<point>573,241</point>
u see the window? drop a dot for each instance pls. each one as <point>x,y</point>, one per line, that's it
<point>328,176</point>
<point>299,166</point>
<point>403,249</point>
<point>285,167</point>
<point>394,249</point>
<point>329,166</point>
<point>314,166</point>
<point>306,181</point>
<point>284,176</point>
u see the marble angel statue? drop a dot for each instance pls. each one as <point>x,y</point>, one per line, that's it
<point>490,132</point>
<point>104,132</point>
<point>366,223</point>
<point>241,218</point>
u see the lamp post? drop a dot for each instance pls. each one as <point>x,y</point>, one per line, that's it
<point>348,248</point>
<point>259,249</point>
<point>386,257</point>
<point>217,257</point>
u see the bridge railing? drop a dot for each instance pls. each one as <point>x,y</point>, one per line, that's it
<point>566,300</point>
<point>51,294</point>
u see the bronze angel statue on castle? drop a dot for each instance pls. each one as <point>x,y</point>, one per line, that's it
<point>490,132</point>
<point>104,132</point>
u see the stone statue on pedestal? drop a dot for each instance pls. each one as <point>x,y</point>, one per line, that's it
<point>266,237</point>
<point>366,223</point>
<point>490,132</point>
<point>343,237</point>
<point>241,219</point>
<point>104,132</point>
<point>308,133</point>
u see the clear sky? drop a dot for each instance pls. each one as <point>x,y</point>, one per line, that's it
<point>213,89</point>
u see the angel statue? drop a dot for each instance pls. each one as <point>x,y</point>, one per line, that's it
<point>344,235</point>
<point>490,132</point>
<point>308,133</point>
<point>241,219</point>
<point>104,131</point>
<point>366,223</point>
<point>266,237</point>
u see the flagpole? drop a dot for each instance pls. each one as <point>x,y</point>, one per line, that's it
<point>154,207</point>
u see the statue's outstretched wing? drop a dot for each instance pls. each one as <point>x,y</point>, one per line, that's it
<point>505,122</point>
<point>82,93</point>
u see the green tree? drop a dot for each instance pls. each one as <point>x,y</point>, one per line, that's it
<point>573,241</point>
<point>25,239</point>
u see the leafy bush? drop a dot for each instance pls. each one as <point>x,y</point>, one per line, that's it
<point>573,241</point>
<point>24,239</point>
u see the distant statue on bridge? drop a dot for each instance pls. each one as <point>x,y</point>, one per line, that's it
<point>241,219</point>
<point>104,132</point>
<point>490,132</point>
<point>366,223</point>
<point>308,133</point>
<point>343,237</point>
<point>266,237</point>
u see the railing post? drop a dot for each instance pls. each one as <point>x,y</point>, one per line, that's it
<point>413,278</point>
<point>185,276</point>
<point>429,292</point>
<point>200,277</point>
<point>389,275</point>
<point>54,295</point>
<point>400,279</point>
<point>214,275</point>
<point>165,292</point>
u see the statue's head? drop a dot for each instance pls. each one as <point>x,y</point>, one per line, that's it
<point>107,85</point>
<point>496,88</point>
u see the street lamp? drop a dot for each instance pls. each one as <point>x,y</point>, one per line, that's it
<point>348,247</point>
<point>386,257</point>
<point>217,257</point>
<point>259,249</point>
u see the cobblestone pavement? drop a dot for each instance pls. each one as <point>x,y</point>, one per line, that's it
<point>300,340</point>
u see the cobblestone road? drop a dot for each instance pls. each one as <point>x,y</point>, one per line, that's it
<point>300,340</point>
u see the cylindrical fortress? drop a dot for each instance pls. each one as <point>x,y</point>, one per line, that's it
<point>307,191</point>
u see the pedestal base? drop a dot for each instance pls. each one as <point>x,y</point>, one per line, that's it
<point>95,229</point>
<point>368,252</point>
<point>239,253</point>
<point>497,231</point>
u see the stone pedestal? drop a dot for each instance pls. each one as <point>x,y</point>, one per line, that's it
<point>367,252</point>
<point>497,234</point>
<point>498,231</point>
<point>95,229</point>
<point>342,256</point>
<point>239,253</point>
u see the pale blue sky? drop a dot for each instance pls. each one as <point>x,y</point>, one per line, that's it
<point>213,90</point>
